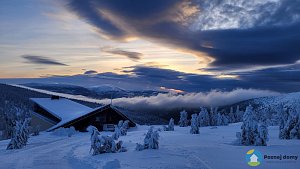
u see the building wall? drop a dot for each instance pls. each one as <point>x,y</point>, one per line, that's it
<point>98,119</point>
<point>38,121</point>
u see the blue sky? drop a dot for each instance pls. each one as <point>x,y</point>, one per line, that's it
<point>223,44</point>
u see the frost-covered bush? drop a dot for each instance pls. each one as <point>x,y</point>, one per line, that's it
<point>65,131</point>
<point>151,140</point>
<point>170,127</point>
<point>203,118</point>
<point>183,121</point>
<point>194,124</point>
<point>103,144</point>
<point>20,135</point>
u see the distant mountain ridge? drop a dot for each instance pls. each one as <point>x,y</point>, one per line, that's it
<point>98,92</point>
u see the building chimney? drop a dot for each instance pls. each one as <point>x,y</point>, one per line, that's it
<point>53,97</point>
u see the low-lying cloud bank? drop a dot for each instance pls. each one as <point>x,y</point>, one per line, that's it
<point>213,98</point>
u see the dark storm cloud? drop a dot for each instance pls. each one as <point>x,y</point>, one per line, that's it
<point>134,56</point>
<point>272,39</point>
<point>281,79</point>
<point>42,60</point>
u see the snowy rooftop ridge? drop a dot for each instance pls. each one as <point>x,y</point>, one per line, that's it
<point>62,108</point>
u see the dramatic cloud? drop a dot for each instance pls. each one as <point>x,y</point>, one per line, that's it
<point>134,56</point>
<point>42,60</point>
<point>213,98</point>
<point>224,34</point>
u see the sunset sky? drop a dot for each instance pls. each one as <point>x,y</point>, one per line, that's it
<point>238,43</point>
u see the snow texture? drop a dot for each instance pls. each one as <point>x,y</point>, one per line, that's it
<point>212,149</point>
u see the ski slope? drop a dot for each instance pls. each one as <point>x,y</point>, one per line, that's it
<point>214,148</point>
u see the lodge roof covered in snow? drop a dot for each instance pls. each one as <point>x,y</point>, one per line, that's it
<point>70,112</point>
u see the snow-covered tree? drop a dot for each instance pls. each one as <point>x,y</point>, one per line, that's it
<point>117,133</point>
<point>239,114</point>
<point>170,127</point>
<point>120,129</point>
<point>219,120</point>
<point>203,118</point>
<point>225,120</point>
<point>289,123</point>
<point>151,140</point>
<point>249,127</point>
<point>124,128</point>
<point>262,137</point>
<point>231,116</point>
<point>194,124</point>
<point>103,144</point>
<point>183,121</point>
<point>20,136</point>
<point>213,116</point>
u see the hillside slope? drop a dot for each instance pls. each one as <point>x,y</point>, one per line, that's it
<point>214,148</point>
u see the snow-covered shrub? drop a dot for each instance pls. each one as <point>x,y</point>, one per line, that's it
<point>170,127</point>
<point>203,118</point>
<point>103,144</point>
<point>151,140</point>
<point>183,121</point>
<point>194,124</point>
<point>20,135</point>
<point>65,131</point>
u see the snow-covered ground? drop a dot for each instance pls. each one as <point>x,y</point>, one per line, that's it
<point>213,148</point>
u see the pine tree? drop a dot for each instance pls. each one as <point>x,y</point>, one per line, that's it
<point>203,118</point>
<point>262,136</point>
<point>219,120</point>
<point>225,120</point>
<point>183,121</point>
<point>194,124</point>
<point>239,114</point>
<point>249,127</point>
<point>231,116</point>
<point>20,136</point>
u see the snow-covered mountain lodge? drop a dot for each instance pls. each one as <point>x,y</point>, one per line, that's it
<point>55,112</point>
